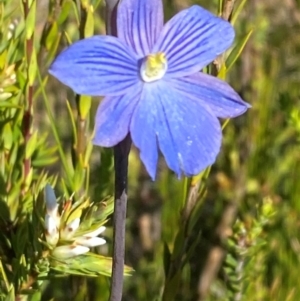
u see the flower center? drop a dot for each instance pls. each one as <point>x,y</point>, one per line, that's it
<point>154,67</point>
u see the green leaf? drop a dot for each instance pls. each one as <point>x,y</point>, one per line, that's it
<point>75,212</point>
<point>11,294</point>
<point>237,50</point>
<point>51,36</point>
<point>222,72</point>
<point>36,296</point>
<point>104,210</point>
<point>237,11</point>
<point>20,29</point>
<point>13,200</point>
<point>65,12</point>
<point>85,103</point>
<point>31,145</point>
<point>78,178</point>
<point>88,152</point>
<point>179,244</point>
<point>43,162</point>
<point>53,50</point>
<point>21,79</point>
<point>167,259</point>
<point>30,20</point>
<point>69,172</point>
<point>8,137</point>
<point>172,286</point>
<point>32,69</point>
<point>220,7</point>
<point>89,265</point>
<point>89,25</point>
<point>3,60</point>
<point>76,12</point>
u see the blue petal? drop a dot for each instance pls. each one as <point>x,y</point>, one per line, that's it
<point>139,24</point>
<point>142,130</point>
<point>192,39</point>
<point>189,135</point>
<point>213,93</point>
<point>100,65</point>
<point>113,117</point>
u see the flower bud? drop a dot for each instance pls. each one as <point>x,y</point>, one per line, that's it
<point>51,226</point>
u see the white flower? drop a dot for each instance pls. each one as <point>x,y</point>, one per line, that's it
<point>65,252</point>
<point>90,239</point>
<point>69,230</point>
<point>96,232</point>
<point>52,234</point>
<point>52,219</point>
<point>58,233</point>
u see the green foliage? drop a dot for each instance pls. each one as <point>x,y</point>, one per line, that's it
<point>28,154</point>
<point>243,267</point>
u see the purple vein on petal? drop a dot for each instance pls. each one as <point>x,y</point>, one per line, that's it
<point>114,116</point>
<point>139,23</point>
<point>192,39</point>
<point>100,65</point>
<point>213,93</point>
<point>188,133</point>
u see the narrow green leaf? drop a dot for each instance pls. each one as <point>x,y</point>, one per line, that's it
<point>220,7</point>
<point>36,296</point>
<point>179,244</point>
<point>90,265</point>
<point>11,294</point>
<point>72,122</point>
<point>43,161</point>
<point>52,36</point>
<point>8,136</point>
<point>237,50</point>
<point>30,20</point>
<point>65,12</point>
<point>77,15</point>
<point>29,177</point>
<point>237,11</point>
<point>32,69</point>
<point>31,145</point>
<point>78,178</point>
<point>88,152</point>
<point>85,103</point>
<point>69,172</point>
<point>21,79</point>
<point>89,25</point>
<point>172,286</point>
<point>53,50</point>
<point>167,259</point>
<point>3,60</point>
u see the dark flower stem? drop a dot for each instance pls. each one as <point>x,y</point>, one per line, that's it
<point>121,152</point>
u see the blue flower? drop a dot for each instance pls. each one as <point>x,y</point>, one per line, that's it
<point>153,89</point>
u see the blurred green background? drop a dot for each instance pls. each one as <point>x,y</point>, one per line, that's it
<point>243,243</point>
